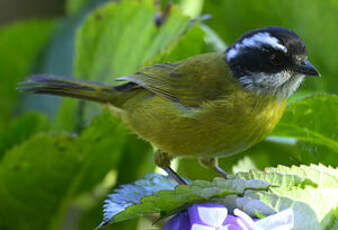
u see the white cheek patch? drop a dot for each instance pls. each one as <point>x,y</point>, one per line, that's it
<point>257,40</point>
<point>281,85</point>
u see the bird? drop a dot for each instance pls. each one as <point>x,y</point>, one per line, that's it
<point>206,106</point>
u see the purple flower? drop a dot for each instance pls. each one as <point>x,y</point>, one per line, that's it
<point>213,216</point>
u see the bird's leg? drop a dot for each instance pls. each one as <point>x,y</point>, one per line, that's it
<point>162,160</point>
<point>174,175</point>
<point>212,163</point>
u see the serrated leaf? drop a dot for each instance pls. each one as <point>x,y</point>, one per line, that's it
<point>320,200</point>
<point>326,169</point>
<point>316,173</point>
<point>158,194</point>
<point>310,184</point>
<point>277,178</point>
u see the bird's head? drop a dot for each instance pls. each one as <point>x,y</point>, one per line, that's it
<point>271,60</point>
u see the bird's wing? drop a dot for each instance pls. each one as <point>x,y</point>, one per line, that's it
<point>190,82</point>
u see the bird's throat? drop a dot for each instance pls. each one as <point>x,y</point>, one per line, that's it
<point>281,85</point>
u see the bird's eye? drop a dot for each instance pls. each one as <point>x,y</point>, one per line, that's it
<point>277,59</point>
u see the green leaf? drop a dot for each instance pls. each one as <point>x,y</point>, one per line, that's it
<point>213,39</point>
<point>158,194</point>
<point>101,145</point>
<point>57,59</point>
<point>323,176</point>
<point>330,221</point>
<point>315,185</point>
<point>90,219</point>
<point>18,56</point>
<point>117,38</point>
<point>22,129</point>
<point>278,178</point>
<point>199,39</point>
<point>193,8</point>
<point>312,123</point>
<point>190,44</point>
<point>74,6</point>
<point>39,178</point>
<point>137,159</point>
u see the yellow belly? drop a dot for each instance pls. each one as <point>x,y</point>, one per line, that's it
<point>219,128</point>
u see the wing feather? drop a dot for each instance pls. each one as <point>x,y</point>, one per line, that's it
<point>190,82</point>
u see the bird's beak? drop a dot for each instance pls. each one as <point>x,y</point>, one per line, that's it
<point>306,68</point>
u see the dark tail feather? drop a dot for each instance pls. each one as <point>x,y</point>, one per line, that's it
<point>70,87</point>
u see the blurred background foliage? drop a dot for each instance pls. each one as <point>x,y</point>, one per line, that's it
<point>59,158</point>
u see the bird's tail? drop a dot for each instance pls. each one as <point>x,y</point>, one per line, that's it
<point>70,87</point>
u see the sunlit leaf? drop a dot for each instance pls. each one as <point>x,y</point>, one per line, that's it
<point>315,185</point>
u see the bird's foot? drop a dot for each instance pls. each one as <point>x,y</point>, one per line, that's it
<point>212,163</point>
<point>162,160</point>
<point>175,176</point>
<point>221,172</point>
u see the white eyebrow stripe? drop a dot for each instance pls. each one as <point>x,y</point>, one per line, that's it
<point>256,40</point>
<point>263,38</point>
<point>233,52</point>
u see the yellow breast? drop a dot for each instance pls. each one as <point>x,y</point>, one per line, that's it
<point>217,128</point>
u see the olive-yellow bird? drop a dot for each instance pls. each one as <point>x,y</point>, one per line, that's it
<point>206,106</point>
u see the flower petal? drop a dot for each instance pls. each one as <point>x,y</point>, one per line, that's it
<point>245,218</point>
<point>283,220</point>
<point>210,214</point>
<point>201,227</point>
<point>179,222</point>
<point>231,223</point>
